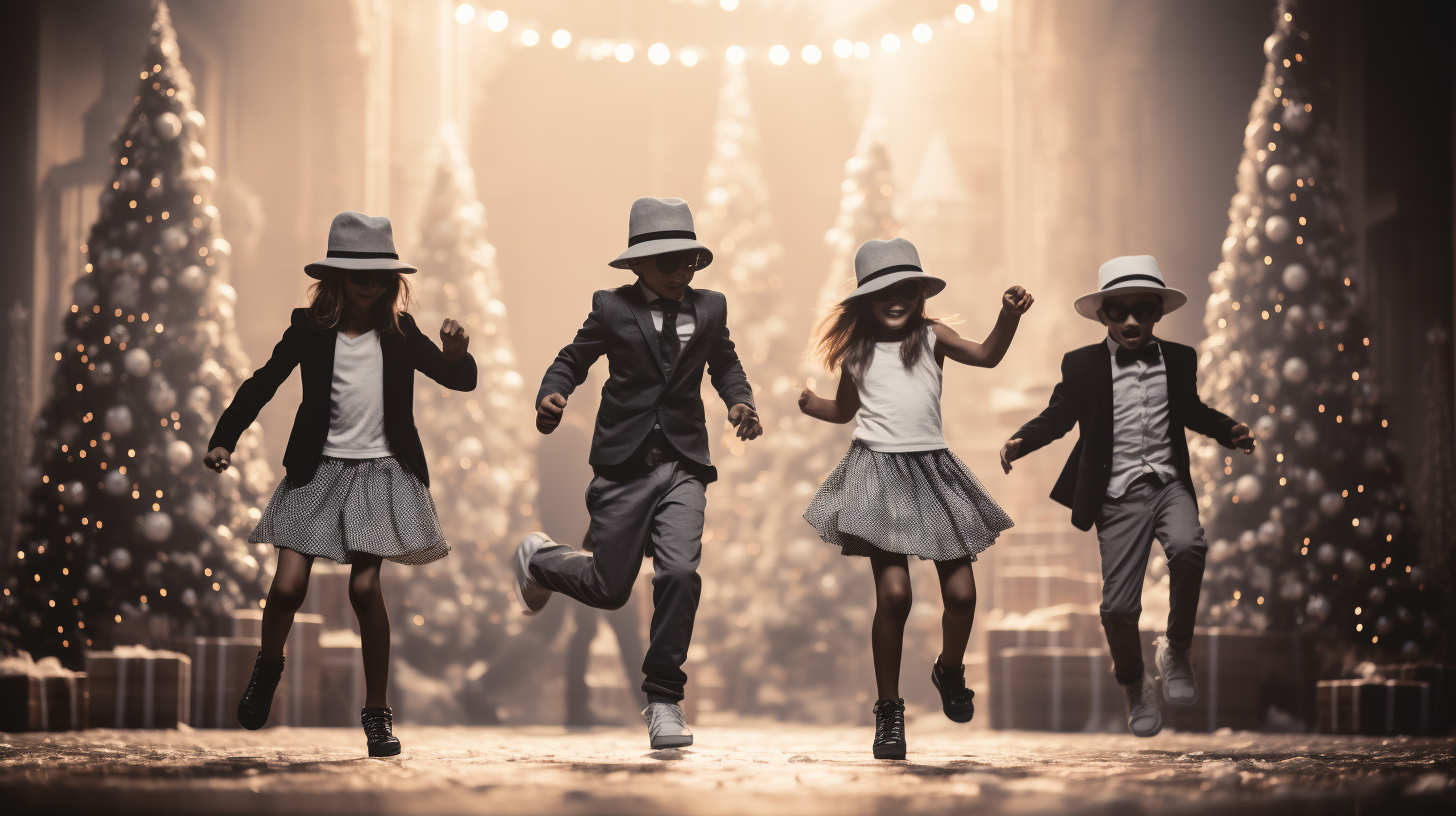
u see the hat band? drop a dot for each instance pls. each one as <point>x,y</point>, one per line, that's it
<point>890,270</point>
<point>659,236</point>
<point>344,253</point>
<point>1124,278</point>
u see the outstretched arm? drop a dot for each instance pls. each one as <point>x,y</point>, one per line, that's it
<point>839,410</point>
<point>986,354</point>
<point>252,395</point>
<point>1053,423</point>
<point>570,368</point>
<point>453,367</point>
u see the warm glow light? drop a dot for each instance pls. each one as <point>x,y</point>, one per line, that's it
<point>965,13</point>
<point>624,53</point>
<point>464,13</point>
<point>921,33</point>
<point>688,57</point>
<point>658,54</point>
<point>843,48</point>
<point>778,55</point>
<point>728,5</point>
<point>811,54</point>
<point>497,20</point>
<point>861,49</point>
<point>988,5</point>
<point>561,38</point>
<point>890,43</point>
<point>735,54</point>
<point>530,37</point>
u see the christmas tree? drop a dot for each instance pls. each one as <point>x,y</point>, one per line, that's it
<point>482,446</point>
<point>1314,530</point>
<point>126,536</point>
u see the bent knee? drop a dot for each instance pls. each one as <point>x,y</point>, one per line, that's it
<point>960,602</point>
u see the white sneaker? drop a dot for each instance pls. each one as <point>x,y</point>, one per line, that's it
<point>529,593</point>
<point>666,726</point>
<point>1176,671</point>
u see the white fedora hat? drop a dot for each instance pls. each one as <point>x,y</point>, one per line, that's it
<point>882,264</point>
<point>1129,275</point>
<point>357,241</point>
<point>658,226</point>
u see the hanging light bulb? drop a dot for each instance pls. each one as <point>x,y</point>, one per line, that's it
<point>497,21</point>
<point>843,48</point>
<point>778,55</point>
<point>688,57</point>
<point>811,54</point>
<point>561,38</point>
<point>735,54</point>
<point>464,13</point>
<point>530,37</point>
<point>965,13</point>
<point>624,53</point>
<point>658,54</point>
<point>921,33</point>
<point>890,43</point>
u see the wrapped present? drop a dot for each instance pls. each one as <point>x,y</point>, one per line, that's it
<point>221,668</point>
<point>1443,691</point>
<point>341,679</point>
<point>1024,589</point>
<point>1064,625</point>
<point>137,687</point>
<point>1246,679</point>
<point>297,700</point>
<point>328,596</point>
<point>1056,688</point>
<point>41,695</point>
<point>1374,707</point>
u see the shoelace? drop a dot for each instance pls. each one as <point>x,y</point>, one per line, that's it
<point>674,714</point>
<point>889,724</point>
<point>258,691</point>
<point>378,727</point>
<point>954,682</point>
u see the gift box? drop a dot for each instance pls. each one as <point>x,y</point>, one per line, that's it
<point>296,702</point>
<point>341,679</point>
<point>1374,707</point>
<point>137,687</point>
<point>221,668</point>
<point>1024,589</point>
<point>328,596</point>
<point>1056,688</point>
<point>41,695</point>
<point>1443,691</point>
<point>1244,677</point>
<point>1064,625</point>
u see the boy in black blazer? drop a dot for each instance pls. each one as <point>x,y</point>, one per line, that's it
<point>1134,396</point>
<point>650,449</point>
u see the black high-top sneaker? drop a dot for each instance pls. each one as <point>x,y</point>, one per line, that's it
<point>890,729</point>
<point>379,730</point>
<point>258,698</point>
<point>957,700</point>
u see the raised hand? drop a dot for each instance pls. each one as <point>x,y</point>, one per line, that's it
<point>453,340</point>
<point>1242,438</point>
<point>548,413</point>
<point>1009,452</point>
<point>1016,301</point>
<point>804,397</point>
<point>746,419</point>
<point>218,459</point>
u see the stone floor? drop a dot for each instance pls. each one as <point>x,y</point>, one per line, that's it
<point>733,769</point>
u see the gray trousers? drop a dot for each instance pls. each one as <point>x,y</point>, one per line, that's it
<point>664,505</point>
<point>1126,528</point>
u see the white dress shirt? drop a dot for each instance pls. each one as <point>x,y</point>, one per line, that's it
<point>1139,422</point>
<point>685,322</point>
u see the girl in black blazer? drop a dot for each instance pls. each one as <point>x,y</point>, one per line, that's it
<point>356,489</point>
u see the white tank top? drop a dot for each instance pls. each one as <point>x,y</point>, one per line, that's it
<point>899,407</point>
<point>356,417</point>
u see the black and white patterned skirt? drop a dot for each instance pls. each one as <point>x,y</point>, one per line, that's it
<point>372,506</point>
<point>922,503</point>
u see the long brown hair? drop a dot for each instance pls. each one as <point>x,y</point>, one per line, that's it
<point>846,336</point>
<point>326,302</point>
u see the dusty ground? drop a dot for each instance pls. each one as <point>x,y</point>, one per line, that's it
<point>744,768</point>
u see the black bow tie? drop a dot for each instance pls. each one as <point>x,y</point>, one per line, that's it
<point>1148,353</point>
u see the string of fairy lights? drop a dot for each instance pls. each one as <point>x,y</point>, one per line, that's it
<point>625,49</point>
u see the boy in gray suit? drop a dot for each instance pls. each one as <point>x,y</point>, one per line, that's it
<point>650,449</point>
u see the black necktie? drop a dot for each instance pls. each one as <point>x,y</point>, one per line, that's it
<point>1147,353</point>
<point>667,340</point>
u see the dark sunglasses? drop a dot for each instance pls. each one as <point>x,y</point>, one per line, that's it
<point>1141,312</point>
<point>383,278</point>
<point>671,262</point>
<point>905,290</point>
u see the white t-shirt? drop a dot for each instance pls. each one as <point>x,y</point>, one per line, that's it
<point>356,416</point>
<point>899,407</point>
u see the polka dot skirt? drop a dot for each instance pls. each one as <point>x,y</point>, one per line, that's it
<point>922,503</point>
<point>371,506</point>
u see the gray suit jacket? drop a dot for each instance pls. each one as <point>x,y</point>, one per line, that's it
<point>641,390</point>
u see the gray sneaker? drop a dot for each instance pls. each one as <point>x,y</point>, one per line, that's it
<point>666,726</point>
<point>1143,717</point>
<point>1175,669</point>
<point>531,595</point>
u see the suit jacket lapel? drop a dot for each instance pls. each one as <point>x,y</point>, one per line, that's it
<point>1102,383</point>
<point>643,313</point>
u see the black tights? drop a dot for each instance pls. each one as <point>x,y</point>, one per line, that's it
<point>285,597</point>
<point>892,608</point>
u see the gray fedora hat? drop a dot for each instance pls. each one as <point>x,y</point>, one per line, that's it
<point>1129,275</point>
<point>658,226</point>
<point>357,241</point>
<point>882,264</point>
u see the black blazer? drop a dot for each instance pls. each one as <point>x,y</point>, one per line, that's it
<point>641,390</point>
<point>307,344</point>
<point>1084,396</point>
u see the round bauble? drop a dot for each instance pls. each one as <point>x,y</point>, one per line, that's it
<point>1314,481</point>
<point>1248,540</point>
<point>1274,45</point>
<point>104,374</point>
<point>1331,503</point>
<point>1327,553</point>
<point>120,558</point>
<point>1270,532</point>
<point>174,239</point>
<point>116,484</point>
<point>198,151</point>
<point>1306,436</point>
<point>1376,595</point>
<point>1291,588</point>
<point>1296,118</point>
<point>227,293</point>
<point>179,454</point>
<point>1352,560</point>
<point>75,493</point>
<point>1278,177</point>
<point>1252,245</point>
<point>1296,317</point>
<point>1365,528</point>
<point>1248,488</point>
<point>95,573</point>
<point>1296,370</point>
<point>1264,428</point>
<point>85,294</point>
<point>1404,615</point>
<point>1429,627</point>
<point>125,291</point>
<point>1230,248</point>
<point>221,247</point>
<point>160,285</point>
<point>1318,607</point>
<point>160,394</point>
<point>469,448</point>
<point>168,126</point>
<point>200,509</point>
<point>134,263</point>
<point>118,420</point>
<point>156,526</point>
<point>153,572</point>
<point>195,118</point>
<point>130,180</point>
<point>1294,277</point>
<point>198,399</point>
<point>1221,550</point>
<point>1383,625</point>
<point>1410,650</point>
<point>1288,414</point>
<point>137,362</point>
<point>192,279</point>
<point>189,597</point>
<point>1374,457</point>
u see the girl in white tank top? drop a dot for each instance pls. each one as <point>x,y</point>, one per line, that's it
<point>899,491</point>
